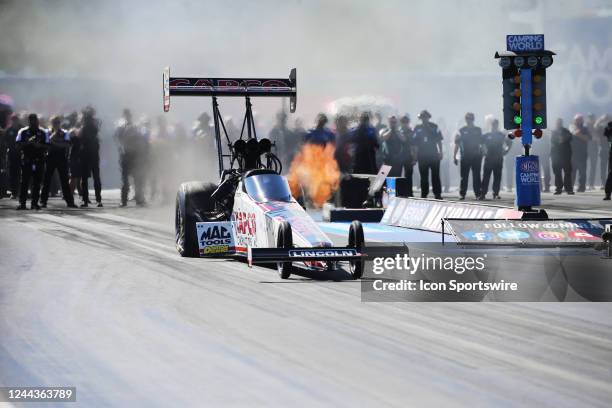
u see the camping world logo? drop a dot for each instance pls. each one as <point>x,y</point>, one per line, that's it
<point>529,166</point>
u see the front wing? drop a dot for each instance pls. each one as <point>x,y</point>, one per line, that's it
<point>328,254</point>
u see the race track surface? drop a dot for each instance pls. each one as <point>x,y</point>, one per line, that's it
<point>100,300</point>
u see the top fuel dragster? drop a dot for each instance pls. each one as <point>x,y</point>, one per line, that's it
<point>250,212</point>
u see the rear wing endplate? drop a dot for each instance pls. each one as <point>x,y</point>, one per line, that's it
<point>189,86</point>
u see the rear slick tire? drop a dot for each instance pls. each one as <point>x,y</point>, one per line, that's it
<point>186,237</point>
<point>284,239</point>
<point>193,202</point>
<point>356,241</point>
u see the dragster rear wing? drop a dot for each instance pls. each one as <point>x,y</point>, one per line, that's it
<point>189,86</point>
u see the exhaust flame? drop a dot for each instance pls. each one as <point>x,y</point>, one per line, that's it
<point>314,170</point>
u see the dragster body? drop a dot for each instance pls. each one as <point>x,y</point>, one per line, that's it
<point>250,212</point>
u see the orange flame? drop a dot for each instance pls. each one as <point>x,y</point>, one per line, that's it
<point>315,170</point>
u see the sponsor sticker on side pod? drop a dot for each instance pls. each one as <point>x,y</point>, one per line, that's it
<point>215,238</point>
<point>262,255</point>
<point>322,253</point>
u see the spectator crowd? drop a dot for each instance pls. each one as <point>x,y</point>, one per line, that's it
<point>576,157</point>
<point>39,156</point>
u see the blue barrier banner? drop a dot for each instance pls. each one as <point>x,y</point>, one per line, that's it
<point>527,172</point>
<point>525,233</point>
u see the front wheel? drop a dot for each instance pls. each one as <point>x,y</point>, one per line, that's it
<point>284,239</point>
<point>356,241</point>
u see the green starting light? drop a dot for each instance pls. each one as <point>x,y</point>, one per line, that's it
<point>539,120</point>
<point>518,120</point>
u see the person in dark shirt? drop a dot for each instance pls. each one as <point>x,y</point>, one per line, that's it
<point>128,140</point>
<point>496,146</point>
<point>601,140</point>
<point>74,156</point>
<point>343,153</point>
<point>409,150</point>
<point>90,156</point>
<point>33,142</point>
<point>580,144</point>
<point>13,155</point>
<point>320,135</point>
<point>561,158</point>
<point>393,146</point>
<point>57,159</point>
<point>379,125</point>
<point>469,142</point>
<point>365,141</point>
<point>162,148</point>
<point>428,144</point>
<point>380,128</point>
<point>608,185</point>
<point>3,166</point>
<point>203,132</point>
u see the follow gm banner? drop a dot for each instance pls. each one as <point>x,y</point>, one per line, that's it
<point>537,232</point>
<point>421,213</point>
